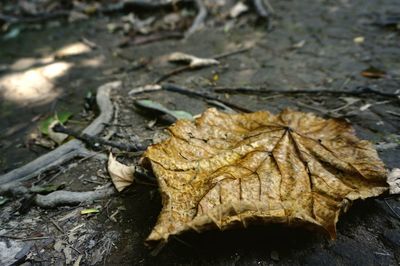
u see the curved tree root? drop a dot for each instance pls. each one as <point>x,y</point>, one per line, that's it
<point>261,10</point>
<point>200,18</point>
<point>69,150</point>
<point>62,197</point>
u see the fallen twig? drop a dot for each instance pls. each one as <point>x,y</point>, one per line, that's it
<point>156,37</point>
<point>36,19</point>
<point>229,53</point>
<point>63,197</point>
<point>173,73</point>
<point>390,207</point>
<point>355,92</point>
<point>205,95</point>
<point>145,39</point>
<point>94,141</point>
<point>182,90</point>
<point>67,151</point>
<point>147,88</point>
<point>57,226</point>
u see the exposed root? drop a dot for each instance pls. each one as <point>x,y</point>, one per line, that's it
<point>62,197</point>
<point>200,18</point>
<point>69,150</point>
<point>261,10</point>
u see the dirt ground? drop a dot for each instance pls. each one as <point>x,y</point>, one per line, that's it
<point>312,45</point>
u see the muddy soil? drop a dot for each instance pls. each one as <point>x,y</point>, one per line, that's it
<point>311,45</point>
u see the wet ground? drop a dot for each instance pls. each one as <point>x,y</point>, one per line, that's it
<point>311,45</point>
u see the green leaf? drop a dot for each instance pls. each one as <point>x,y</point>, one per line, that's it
<point>181,115</point>
<point>89,211</point>
<point>12,34</point>
<point>3,200</point>
<point>62,117</point>
<point>155,106</point>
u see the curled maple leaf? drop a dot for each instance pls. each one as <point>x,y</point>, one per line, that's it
<point>223,171</point>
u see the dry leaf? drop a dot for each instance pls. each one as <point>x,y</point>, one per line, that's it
<point>224,171</point>
<point>57,137</point>
<point>192,60</point>
<point>238,9</point>
<point>394,181</point>
<point>373,73</point>
<point>121,174</point>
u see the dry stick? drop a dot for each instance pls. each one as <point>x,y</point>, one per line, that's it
<point>143,4</point>
<point>176,88</point>
<point>93,141</point>
<point>226,54</point>
<point>173,73</point>
<point>36,19</point>
<point>390,207</point>
<point>355,92</point>
<point>156,37</point>
<point>66,151</point>
<point>188,67</point>
<point>205,95</point>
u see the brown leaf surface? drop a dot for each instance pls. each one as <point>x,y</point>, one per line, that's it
<point>223,171</point>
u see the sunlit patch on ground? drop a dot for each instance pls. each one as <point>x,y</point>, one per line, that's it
<point>73,49</point>
<point>33,85</point>
<point>34,80</point>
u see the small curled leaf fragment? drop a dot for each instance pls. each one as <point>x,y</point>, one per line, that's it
<point>59,138</point>
<point>393,180</point>
<point>373,73</point>
<point>122,175</point>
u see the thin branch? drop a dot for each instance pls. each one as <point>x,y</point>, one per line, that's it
<point>229,53</point>
<point>261,91</point>
<point>173,73</point>
<point>205,95</point>
<point>390,207</point>
<point>94,141</point>
<point>36,19</point>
